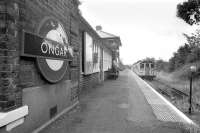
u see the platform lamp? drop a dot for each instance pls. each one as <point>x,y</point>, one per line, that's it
<point>193,69</point>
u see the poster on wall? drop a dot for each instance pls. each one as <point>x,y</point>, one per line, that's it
<point>96,58</point>
<point>107,61</point>
<point>88,54</point>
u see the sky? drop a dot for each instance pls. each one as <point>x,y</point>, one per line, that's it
<point>147,28</point>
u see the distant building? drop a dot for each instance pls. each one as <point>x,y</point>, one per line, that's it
<point>98,51</point>
<point>111,41</point>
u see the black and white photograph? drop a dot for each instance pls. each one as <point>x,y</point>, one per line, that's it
<point>99,66</point>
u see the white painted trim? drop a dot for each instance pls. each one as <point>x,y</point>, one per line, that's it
<point>55,118</point>
<point>14,124</point>
<point>188,120</point>
<point>11,116</point>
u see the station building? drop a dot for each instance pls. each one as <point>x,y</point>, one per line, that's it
<point>98,51</point>
<point>48,54</point>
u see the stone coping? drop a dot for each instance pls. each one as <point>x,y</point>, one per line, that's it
<point>11,116</point>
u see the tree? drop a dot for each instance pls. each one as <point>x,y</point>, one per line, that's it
<point>182,54</point>
<point>161,65</point>
<point>150,59</point>
<point>171,66</point>
<point>194,45</point>
<point>188,53</point>
<point>180,57</point>
<point>189,11</point>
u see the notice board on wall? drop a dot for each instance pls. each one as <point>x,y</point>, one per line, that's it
<point>107,60</point>
<point>91,55</point>
<point>88,54</point>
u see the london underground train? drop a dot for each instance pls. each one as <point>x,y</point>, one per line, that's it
<point>145,69</point>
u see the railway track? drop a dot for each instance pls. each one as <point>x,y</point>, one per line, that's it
<point>171,92</point>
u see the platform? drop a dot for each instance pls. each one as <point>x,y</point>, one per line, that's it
<point>125,105</point>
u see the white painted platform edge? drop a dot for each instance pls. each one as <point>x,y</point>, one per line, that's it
<point>55,118</point>
<point>178,112</point>
<point>11,116</point>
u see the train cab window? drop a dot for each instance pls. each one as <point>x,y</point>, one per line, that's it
<point>141,66</point>
<point>152,65</point>
<point>147,65</point>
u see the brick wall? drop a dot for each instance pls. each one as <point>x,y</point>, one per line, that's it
<point>16,72</point>
<point>10,92</point>
<point>89,81</point>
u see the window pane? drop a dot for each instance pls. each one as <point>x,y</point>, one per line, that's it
<point>147,65</point>
<point>89,54</point>
<point>89,47</point>
<point>141,66</point>
<point>152,65</point>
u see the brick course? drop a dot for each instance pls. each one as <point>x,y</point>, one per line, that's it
<point>89,81</point>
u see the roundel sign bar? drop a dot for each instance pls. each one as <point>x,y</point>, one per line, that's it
<point>51,49</point>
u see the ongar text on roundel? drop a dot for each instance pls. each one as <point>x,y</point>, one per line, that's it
<point>51,48</point>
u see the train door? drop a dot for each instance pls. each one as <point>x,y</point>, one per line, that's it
<point>152,68</point>
<point>141,69</point>
<point>147,69</point>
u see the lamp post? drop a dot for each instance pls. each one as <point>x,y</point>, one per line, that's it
<point>193,70</point>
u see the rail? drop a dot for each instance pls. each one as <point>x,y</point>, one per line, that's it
<point>172,92</point>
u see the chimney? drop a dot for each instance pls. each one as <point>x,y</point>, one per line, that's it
<point>98,28</point>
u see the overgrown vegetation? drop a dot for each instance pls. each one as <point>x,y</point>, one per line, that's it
<point>189,53</point>
<point>189,11</point>
<point>186,55</point>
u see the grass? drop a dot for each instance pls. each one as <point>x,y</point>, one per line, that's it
<point>180,80</point>
<point>182,84</point>
<point>191,129</point>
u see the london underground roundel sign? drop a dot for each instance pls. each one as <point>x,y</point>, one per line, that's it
<point>51,49</point>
